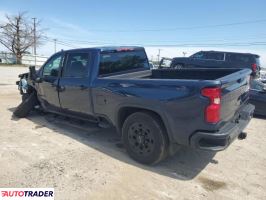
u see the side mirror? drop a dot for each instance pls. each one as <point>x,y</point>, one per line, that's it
<point>32,74</point>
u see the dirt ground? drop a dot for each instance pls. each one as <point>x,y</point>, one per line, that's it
<point>82,161</point>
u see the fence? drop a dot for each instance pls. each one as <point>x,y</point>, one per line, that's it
<point>27,59</point>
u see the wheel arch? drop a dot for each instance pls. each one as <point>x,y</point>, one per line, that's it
<point>125,111</point>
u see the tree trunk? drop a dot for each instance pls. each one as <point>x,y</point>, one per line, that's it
<point>19,59</point>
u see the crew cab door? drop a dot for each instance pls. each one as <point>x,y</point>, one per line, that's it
<point>48,87</point>
<point>74,84</point>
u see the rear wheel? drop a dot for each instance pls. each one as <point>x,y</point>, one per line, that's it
<point>26,106</point>
<point>145,138</point>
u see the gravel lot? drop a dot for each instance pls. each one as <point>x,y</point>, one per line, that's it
<point>82,161</point>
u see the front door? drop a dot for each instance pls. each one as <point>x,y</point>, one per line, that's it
<point>75,93</point>
<point>48,87</point>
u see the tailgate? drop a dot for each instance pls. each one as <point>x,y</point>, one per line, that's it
<point>235,93</point>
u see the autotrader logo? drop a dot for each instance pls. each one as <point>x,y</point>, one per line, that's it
<point>26,193</point>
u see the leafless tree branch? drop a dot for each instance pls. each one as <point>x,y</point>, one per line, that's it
<point>17,34</point>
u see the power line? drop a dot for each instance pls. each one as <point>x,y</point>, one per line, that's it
<point>181,28</point>
<point>223,44</point>
<point>164,42</point>
<point>60,42</point>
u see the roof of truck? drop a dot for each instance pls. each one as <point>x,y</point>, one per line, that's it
<point>108,48</point>
<point>231,52</point>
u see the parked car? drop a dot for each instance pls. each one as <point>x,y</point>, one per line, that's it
<point>263,76</point>
<point>154,111</point>
<point>258,97</point>
<point>210,59</point>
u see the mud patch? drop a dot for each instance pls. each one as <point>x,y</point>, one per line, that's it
<point>211,185</point>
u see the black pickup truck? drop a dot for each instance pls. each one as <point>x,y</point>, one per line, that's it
<point>155,111</point>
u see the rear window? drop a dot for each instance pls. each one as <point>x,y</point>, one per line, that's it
<point>118,61</point>
<point>258,61</point>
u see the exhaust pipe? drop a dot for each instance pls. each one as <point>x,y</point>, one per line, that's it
<point>242,136</point>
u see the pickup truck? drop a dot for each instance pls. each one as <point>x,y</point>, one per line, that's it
<point>154,111</point>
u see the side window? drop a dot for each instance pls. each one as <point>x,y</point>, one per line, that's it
<point>76,65</point>
<point>51,68</point>
<point>119,61</point>
<point>234,57</point>
<point>199,55</point>
<point>215,56</point>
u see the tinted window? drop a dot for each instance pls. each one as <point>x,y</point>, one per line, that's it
<point>239,58</point>
<point>166,62</point>
<point>51,68</point>
<point>215,56</point>
<point>76,65</point>
<point>199,55</point>
<point>113,62</point>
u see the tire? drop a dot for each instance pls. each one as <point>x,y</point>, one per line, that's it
<point>26,106</point>
<point>145,138</point>
<point>25,96</point>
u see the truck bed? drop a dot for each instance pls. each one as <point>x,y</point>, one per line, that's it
<point>234,84</point>
<point>188,74</point>
<point>194,74</point>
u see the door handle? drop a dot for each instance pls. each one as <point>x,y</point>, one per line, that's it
<point>83,87</point>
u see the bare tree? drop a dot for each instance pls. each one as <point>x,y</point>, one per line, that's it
<point>17,34</point>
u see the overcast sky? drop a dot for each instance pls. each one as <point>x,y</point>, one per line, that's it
<point>189,25</point>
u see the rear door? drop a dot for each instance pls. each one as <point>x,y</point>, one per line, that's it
<point>74,92</point>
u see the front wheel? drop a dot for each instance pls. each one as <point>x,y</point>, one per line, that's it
<point>26,106</point>
<point>145,138</point>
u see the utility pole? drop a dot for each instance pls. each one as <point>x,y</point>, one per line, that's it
<point>159,54</point>
<point>34,37</point>
<point>55,40</point>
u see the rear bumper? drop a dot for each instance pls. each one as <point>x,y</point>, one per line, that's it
<point>217,141</point>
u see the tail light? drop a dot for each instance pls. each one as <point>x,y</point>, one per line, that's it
<point>212,111</point>
<point>254,67</point>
